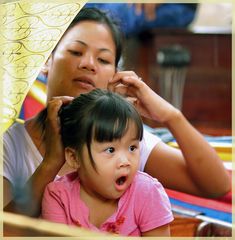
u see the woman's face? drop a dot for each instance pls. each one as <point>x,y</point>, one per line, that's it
<point>83,60</point>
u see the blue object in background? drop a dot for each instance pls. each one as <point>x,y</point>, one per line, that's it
<point>167,15</point>
<point>209,212</point>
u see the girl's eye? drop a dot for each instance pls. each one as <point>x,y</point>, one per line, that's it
<point>110,150</point>
<point>132,148</point>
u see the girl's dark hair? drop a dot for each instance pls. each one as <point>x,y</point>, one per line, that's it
<point>99,115</point>
<point>99,16</point>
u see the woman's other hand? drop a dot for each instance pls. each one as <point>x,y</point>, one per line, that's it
<point>148,103</point>
<point>54,150</point>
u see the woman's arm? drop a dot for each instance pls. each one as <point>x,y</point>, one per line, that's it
<point>7,193</point>
<point>47,170</point>
<point>31,206</point>
<point>195,168</point>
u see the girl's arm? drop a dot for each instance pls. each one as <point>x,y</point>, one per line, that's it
<point>163,231</point>
<point>195,168</point>
<point>54,204</point>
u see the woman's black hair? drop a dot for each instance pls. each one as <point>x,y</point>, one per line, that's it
<point>96,15</point>
<point>103,17</point>
<point>99,115</point>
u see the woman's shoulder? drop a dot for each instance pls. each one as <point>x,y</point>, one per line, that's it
<point>147,144</point>
<point>17,133</point>
<point>149,137</point>
<point>17,129</point>
<point>21,157</point>
<point>15,139</point>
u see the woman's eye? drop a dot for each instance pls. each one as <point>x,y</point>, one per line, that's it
<point>75,53</point>
<point>103,61</point>
<point>132,148</point>
<point>110,150</point>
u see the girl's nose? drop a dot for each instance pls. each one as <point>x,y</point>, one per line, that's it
<point>123,161</point>
<point>87,62</point>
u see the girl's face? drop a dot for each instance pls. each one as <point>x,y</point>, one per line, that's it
<point>83,60</point>
<point>116,165</point>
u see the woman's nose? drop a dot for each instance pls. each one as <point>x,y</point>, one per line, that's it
<point>87,62</point>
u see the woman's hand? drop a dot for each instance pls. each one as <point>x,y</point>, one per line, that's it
<point>148,103</point>
<point>54,150</point>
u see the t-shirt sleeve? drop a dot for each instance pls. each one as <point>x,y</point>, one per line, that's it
<point>20,155</point>
<point>152,204</point>
<point>53,208</point>
<point>147,144</point>
<point>9,160</point>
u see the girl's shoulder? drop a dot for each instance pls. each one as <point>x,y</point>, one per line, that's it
<point>70,177</point>
<point>143,178</point>
<point>144,184</point>
<point>64,183</point>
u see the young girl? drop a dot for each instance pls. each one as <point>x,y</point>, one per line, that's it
<point>101,133</point>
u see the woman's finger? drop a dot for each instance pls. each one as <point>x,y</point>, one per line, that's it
<point>125,78</point>
<point>64,99</point>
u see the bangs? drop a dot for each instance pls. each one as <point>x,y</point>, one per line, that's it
<point>116,122</point>
<point>99,115</point>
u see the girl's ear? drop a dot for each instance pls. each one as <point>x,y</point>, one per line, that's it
<point>71,158</point>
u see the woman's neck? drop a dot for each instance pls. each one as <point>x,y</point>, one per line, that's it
<point>35,132</point>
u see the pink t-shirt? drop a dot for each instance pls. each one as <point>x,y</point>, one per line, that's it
<point>143,207</point>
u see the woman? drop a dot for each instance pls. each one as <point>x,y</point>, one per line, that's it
<point>86,58</point>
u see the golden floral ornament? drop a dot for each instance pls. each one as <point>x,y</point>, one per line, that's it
<point>30,29</point>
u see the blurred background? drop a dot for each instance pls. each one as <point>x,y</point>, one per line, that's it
<point>184,53</point>
<point>200,74</point>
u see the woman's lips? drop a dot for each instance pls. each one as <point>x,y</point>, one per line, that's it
<point>85,82</point>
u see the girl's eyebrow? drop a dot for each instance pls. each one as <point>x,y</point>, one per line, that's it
<point>100,49</point>
<point>135,139</point>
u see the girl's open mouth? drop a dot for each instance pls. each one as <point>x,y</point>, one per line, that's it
<point>121,183</point>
